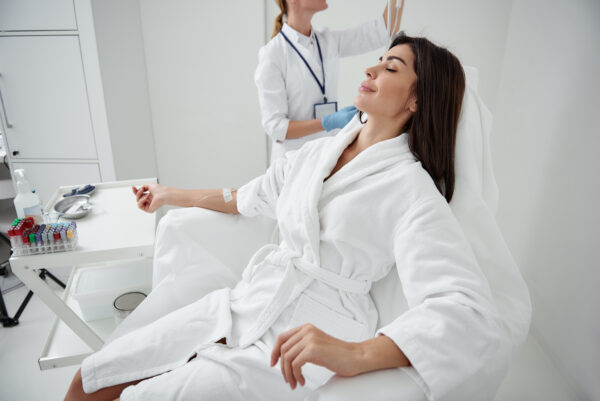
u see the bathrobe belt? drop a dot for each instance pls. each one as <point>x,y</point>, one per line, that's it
<point>324,275</point>
<point>293,284</point>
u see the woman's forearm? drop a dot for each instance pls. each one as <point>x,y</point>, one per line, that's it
<point>300,128</point>
<point>212,199</point>
<point>380,353</point>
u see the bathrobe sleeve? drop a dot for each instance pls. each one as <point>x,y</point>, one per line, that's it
<point>366,37</point>
<point>451,327</point>
<point>259,196</point>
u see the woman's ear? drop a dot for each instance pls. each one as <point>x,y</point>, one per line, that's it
<point>412,104</point>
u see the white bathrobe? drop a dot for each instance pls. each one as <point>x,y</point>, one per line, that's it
<point>380,211</point>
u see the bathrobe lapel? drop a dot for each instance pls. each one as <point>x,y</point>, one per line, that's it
<point>325,161</point>
<point>375,158</point>
<point>318,166</point>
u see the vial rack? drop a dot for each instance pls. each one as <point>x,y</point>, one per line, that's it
<point>28,238</point>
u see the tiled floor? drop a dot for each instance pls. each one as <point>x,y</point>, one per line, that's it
<point>532,378</point>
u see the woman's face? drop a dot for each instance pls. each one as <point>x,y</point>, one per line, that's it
<point>388,89</point>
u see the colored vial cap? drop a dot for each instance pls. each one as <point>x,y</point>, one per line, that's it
<point>32,238</point>
<point>70,234</point>
<point>56,235</point>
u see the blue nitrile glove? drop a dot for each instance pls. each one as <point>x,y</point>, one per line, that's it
<point>339,119</point>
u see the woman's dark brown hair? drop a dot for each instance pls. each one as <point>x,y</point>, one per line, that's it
<point>439,89</point>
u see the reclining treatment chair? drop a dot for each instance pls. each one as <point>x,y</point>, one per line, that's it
<point>216,247</point>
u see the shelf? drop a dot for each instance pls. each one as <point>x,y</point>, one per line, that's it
<point>64,347</point>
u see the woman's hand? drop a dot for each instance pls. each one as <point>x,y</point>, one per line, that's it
<point>307,343</point>
<point>150,197</point>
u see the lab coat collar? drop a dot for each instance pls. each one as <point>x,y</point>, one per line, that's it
<point>297,38</point>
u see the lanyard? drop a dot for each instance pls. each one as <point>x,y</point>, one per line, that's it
<point>322,87</point>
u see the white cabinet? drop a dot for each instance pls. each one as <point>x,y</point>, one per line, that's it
<point>44,96</point>
<point>74,103</point>
<point>37,15</point>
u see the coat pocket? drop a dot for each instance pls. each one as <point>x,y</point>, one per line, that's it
<point>309,310</point>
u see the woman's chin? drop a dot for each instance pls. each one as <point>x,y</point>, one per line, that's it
<point>361,107</point>
<point>359,104</point>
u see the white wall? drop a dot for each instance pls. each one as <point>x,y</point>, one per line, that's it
<point>122,60</point>
<point>475,30</point>
<point>201,57</point>
<point>546,144</point>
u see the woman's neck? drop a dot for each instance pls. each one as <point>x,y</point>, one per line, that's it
<point>300,21</point>
<point>377,130</point>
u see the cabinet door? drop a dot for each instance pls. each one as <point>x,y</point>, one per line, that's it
<point>45,104</point>
<point>45,178</point>
<point>37,15</point>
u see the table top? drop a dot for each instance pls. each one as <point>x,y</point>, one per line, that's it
<point>113,228</point>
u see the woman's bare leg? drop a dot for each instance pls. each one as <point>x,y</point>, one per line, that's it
<point>76,392</point>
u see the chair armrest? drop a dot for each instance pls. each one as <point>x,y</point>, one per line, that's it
<point>196,251</point>
<point>381,385</point>
<point>231,239</point>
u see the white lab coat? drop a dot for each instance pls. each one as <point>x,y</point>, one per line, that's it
<point>287,90</point>
<point>380,211</point>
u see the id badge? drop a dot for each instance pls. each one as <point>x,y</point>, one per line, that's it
<point>324,109</point>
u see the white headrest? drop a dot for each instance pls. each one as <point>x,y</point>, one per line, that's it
<point>473,159</point>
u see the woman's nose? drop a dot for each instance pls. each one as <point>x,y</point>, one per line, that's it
<point>371,72</point>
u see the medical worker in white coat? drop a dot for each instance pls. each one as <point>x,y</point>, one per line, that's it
<point>349,208</point>
<point>297,72</point>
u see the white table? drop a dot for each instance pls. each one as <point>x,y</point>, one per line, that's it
<point>115,229</point>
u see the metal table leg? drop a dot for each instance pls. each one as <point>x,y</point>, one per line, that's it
<point>36,284</point>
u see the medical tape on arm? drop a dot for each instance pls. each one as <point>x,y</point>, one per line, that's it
<point>227,197</point>
<point>226,193</point>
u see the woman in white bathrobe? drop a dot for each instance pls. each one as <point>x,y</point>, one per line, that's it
<point>349,208</point>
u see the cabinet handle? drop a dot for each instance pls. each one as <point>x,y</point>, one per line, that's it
<point>15,153</point>
<point>8,124</point>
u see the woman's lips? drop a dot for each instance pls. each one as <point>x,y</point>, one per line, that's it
<point>365,88</point>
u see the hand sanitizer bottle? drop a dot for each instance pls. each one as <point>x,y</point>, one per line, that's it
<point>27,203</point>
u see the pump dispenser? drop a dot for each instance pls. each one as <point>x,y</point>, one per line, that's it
<point>27,203</point>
